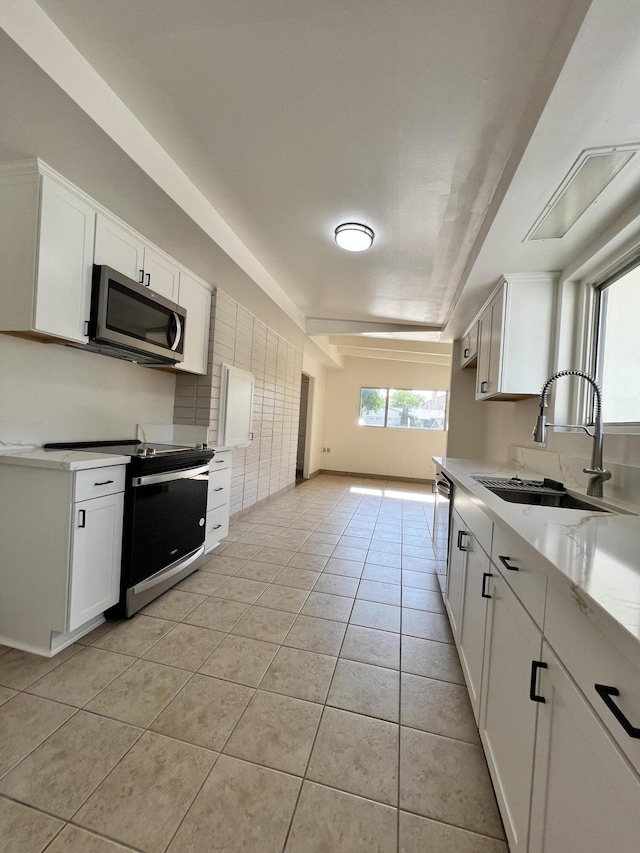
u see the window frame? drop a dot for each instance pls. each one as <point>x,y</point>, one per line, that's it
<point>385,425</point>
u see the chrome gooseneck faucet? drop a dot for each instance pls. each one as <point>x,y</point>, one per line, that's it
<point>597,473</point>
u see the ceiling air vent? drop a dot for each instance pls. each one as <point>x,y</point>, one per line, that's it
<point>594,169</point>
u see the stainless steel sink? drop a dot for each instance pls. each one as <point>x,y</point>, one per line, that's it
<point>537,493</point>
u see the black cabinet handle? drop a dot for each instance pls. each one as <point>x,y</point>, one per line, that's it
<point>216,527</point>
<point>485,575</point>
<point>148,275</point>
<point>505,563</point>
<point>82,518</point>
<point>219,461</point>
<point>605,693</point>
<point>483,387</point>
<point>141,276</point>
<point>535,666</point>
<point>462,533</point>
<point>219,489</point>
<point>465,354</point>
<point>104,483</point>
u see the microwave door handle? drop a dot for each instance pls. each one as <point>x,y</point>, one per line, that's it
<point>178,322</point>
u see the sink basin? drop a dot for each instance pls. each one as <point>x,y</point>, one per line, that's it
<point>537,493</point>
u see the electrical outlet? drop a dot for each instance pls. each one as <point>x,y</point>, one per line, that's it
<point>324,449</point>
<point>328,450</point>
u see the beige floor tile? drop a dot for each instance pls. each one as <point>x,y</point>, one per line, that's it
<point>72,839</point>
<point>423,541</point>
<point>300,673</point>
<point>134,636</point>
<point>256,537</point>
<point>140,693</point>
<point>329,821</point>
<point>24,830</point>
<point>356,754</point>
<point>381,546</point>
<point>219,614</point>
<point>298,578</point>
<point>447,780</point>
<point>98,632</point>
<point>241,550</point>
<point>419,564</point>
<point>384,593</point>
<point>323,549</point>
<point>368,645</point>
<point>420,580</point>
<point>366,689</point>
<point>256,571</point>
<point>82,677</point>
<point>336,585</point>
<point>205,712</point>
<point>419,834</point>
<point>61,773</point>
<point>277,731</point>
<point>224,564</point>
<point>277,556</point>
<point>25,722</point>
<point>370,614</point>
<point>20,669</point>
<point>285,598</point>
<point>381,574</point>
<point>344,552</point>
<point>438,707</point>
<point>346,568</point>
<point>326,606</point>
<point>173,604</point>
<point>413,550</point>
<point>144,799</point>
<point>185,647</point>
<point>355,542</point>
<point>310,562</point>
<point>431,659</point>
<point>316,635</point>
<point>422,599</point>
<point>325,527</point>
<point>388,535</point>
<point>326,538</point>
<point>240,659</point>
<point>5,694</point>
<point>384,558</point>
<point>426,625</point>
<point>204,583</point>
<point>262,623</point>
<point>242,807</point>
<point>241,589</point>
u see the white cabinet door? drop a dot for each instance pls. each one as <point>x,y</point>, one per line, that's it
<point>508,716</point>
<point>456,572</point>
<point>196,298</point>
<point>484,346</point>
<point>161,274</point>
<point>95,557</point>
<point>473,620</point>
<point>119,248</point>
<point>586,798</point>
<point>65,263</point>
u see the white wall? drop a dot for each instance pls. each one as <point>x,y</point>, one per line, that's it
<point>317,391</point>
<point>375,450</point>
<point>79,395</point>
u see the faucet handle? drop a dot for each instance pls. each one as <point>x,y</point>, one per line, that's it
<point>601,473</point>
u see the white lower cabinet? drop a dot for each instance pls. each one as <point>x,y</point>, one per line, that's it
<point>586,798</point>
<point>473,620</point>
<point>218,499</point>
<point>456,573</point>
<point>508,715</point>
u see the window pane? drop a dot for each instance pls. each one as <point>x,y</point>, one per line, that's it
<point>619,352</point>
<point>417,409</point>
<point>373,402</point>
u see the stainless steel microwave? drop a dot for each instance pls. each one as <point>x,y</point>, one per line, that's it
<point>131,321</point>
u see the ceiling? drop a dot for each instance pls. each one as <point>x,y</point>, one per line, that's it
<point>291,116</point>
<point>238,135</point>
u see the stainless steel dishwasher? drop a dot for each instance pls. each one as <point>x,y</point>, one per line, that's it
<point>443,498</point>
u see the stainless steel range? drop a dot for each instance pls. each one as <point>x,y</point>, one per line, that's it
<point>165,513</point>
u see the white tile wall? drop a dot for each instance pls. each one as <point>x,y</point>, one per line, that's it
<point>240,339</point>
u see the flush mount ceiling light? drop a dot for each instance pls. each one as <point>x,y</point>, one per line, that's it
<point>354,237</point>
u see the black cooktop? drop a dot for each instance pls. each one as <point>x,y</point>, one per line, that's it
<point>141,451</point>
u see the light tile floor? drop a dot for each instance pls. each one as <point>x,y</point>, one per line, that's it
<point>299,693</point>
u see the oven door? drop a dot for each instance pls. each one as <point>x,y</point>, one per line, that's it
<point>443,490</point>
<point>167,524</point>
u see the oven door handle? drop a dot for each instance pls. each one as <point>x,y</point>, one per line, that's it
<point>168,476</point>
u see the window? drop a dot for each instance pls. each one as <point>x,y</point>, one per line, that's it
<point>617,366</point>
<point>403,408</point>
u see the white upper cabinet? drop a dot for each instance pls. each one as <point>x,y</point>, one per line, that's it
<point>124,250</point>
<point>46,244</point>
<point>195,296</point>
<point>469,347</point>
<point>515,336</point>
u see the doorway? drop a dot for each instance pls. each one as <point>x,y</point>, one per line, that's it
<point>304,428</point>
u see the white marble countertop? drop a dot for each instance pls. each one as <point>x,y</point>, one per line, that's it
<point>67,460</point>
<point>597,553</point>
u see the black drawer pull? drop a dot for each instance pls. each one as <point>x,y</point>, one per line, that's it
<point>216,527</point>
<point>219,461</point>
<point>462,547</point>
<point>485,575</point>
<point>605,693</point>
<point>141,276</point>
<point>466,352</point>
<point>505,563</point>
<point>535,666</point>
<point>82,518</point>
<point>219,489</point>
<point>148,275</point>
<point>484,387</point>
<point>104,483</point>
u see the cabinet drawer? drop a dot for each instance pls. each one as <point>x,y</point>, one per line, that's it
<point>96,482</point>
<point>591,658</point>
<point>217,525</point>
<point>474,518</point>
<point>517,562</point>
<point>219,488</point>
<point>221,460</point>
